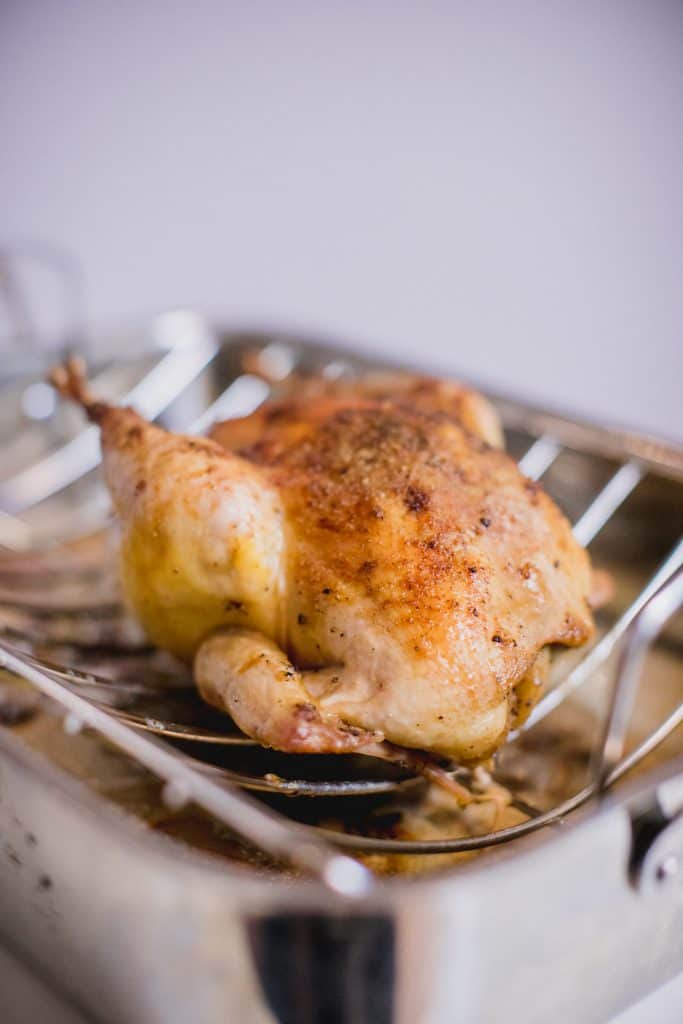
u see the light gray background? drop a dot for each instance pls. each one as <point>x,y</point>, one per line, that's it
<point>493,187</point>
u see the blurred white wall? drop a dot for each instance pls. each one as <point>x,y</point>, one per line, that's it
<point>496,187</point>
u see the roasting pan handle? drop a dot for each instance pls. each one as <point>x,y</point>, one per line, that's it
<point>646,626</point>
<point>656,860</point>
<point>656,857</point>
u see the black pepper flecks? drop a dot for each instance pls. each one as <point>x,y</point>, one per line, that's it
<point>416,500</point>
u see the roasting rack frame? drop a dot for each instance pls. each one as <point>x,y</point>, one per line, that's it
<point>186,346</point>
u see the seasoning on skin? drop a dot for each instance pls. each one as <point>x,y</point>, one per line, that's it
<point>416,500</point>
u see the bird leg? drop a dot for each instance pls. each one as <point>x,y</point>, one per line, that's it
<point>70,381</point>
<point>244,673</point>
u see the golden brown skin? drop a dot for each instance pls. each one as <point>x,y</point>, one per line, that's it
<point>384,570</point>
<point>422,561</point>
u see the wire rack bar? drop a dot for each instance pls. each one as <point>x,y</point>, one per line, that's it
<point>603,507</point>
<point>267,830</point>
<point>601,652</point>
<point>539,457</point>
<point>154,393</point>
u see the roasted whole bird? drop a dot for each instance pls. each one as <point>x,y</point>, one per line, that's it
<point>358,567</point>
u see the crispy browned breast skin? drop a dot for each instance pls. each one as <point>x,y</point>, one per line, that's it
<point>418,555</point>
<point>309,394</point>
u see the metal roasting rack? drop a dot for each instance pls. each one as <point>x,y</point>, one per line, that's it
<point>63,475</point>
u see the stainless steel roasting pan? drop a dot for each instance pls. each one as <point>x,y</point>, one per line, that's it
<point>137,923</point>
